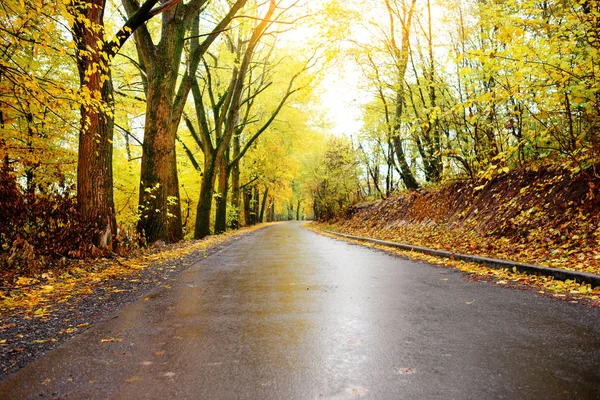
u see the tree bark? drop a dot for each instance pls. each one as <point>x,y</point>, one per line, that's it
<point>235,194</point>
<point>272,211</point>
<point>95,202</point>
<point>235,182</point>
<point>160,213</point>
<point>255,206</point>
<point>263,206</point>
<point>94,167</point>
<point>160,217</point>
<point>205,199</point>
<point>247,193</point>
<point>221,199</point>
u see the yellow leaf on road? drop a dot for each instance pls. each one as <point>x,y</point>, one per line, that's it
<point>112,339</point>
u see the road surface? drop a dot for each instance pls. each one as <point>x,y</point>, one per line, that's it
<point>285,313</point>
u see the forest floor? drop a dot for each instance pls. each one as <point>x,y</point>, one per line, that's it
<point>39,313</point>
<point>547,216</point>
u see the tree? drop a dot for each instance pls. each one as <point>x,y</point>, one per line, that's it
<point>332,178</point>
<point>400,54</point>
<point>159,63</point>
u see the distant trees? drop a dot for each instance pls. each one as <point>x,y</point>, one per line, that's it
<point>334,178</point>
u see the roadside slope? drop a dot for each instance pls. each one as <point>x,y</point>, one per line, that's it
<point>545,216</point>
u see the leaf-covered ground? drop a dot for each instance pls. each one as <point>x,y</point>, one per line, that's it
<point>39,313</point>
<point>546,216</point>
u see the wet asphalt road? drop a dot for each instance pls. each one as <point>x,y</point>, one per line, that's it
<point>287,314</point>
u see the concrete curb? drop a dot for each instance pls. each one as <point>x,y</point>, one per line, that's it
<point>561,274</point>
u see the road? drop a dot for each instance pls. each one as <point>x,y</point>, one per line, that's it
<point>285,313</point>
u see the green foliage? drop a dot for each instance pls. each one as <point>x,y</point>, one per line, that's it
<point>334,184</point>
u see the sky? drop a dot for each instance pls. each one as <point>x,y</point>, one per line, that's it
<point>342,98</point>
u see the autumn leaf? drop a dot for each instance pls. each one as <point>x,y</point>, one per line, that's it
<point>110,340</point>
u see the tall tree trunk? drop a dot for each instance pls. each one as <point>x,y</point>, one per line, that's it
<point>205,200</point>
<point>247,206</point>
<point>94,168</point>
<point>160,212</point>
<point>298,210</point>
<point>405,173</point>
<point>436,164</point>
<point>261,215</point>
<point>255,205</point>
<point>272,212</point>
<point>94,164</point>
<point>221,199</point>
<point>235,194</point>
<point>235,181</point>
<point>160,217</point>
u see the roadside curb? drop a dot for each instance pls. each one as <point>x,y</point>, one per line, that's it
<point>560,274</point>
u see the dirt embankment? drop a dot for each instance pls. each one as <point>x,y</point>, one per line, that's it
<point>546,216</point>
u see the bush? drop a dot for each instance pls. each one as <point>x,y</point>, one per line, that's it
<point>39,226</point>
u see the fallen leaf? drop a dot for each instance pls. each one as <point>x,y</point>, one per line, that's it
<point>112,339</point>
<point>133,379</point>
<point>40,312</point>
